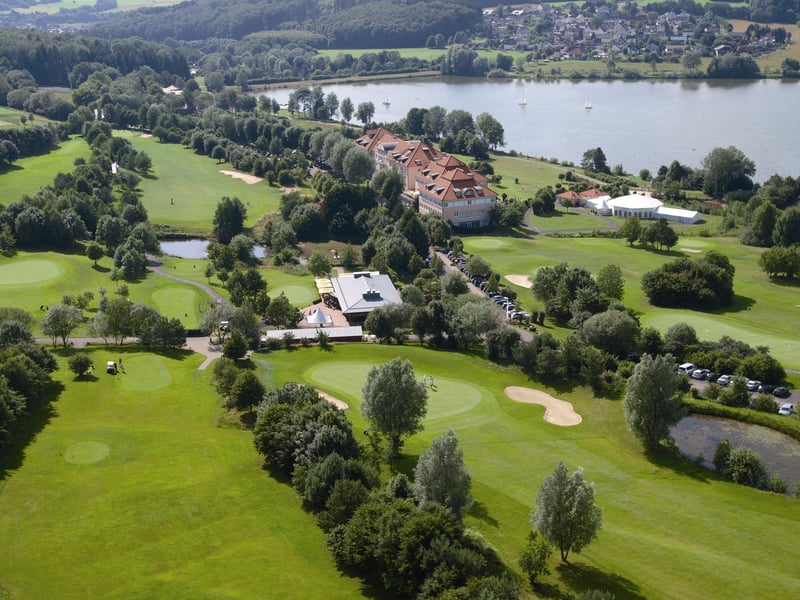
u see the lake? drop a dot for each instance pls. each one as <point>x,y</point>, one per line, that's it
<point>197,248</point>
<point>700,435</point>
<point>638,124</point>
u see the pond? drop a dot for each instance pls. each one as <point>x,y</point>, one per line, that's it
<point>196,248</point>
<point>700,435</point>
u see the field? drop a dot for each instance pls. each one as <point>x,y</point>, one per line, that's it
<point>54,7</point>
<point>764,313</point>
<point>195,185</point>
<point>130,490</point>
<point>147,497</point>
<point>27,175</point>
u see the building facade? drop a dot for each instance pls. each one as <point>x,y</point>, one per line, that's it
<point>441,183</point>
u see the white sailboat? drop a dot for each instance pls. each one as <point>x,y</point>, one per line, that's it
<point>587,105</point>
<point>386,101</point>
<point>524,100</point>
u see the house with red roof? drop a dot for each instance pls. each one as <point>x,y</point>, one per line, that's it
<point>443,184</point>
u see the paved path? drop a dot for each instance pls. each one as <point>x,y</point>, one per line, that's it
<point>155,267</point>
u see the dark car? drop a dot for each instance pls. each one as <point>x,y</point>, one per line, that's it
<point>712,376</point>
<point>766,388</point>
<point>781,392</point>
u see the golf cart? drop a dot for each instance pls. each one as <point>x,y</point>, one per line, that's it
<point>111,367</point>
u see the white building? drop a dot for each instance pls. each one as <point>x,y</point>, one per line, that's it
<point>642,207</point>
<point>361,293</point>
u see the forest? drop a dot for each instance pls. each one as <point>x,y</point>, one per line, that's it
<point>363,25</point>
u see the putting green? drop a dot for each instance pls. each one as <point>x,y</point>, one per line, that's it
<point>145,373</point>
<point>21,271</point>
<point>487,244</point>
<point>449,397</point>
<point>297,295</point>
<point>86,453</point>
<point>173,301</point>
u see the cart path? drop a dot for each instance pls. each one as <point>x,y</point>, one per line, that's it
<point>156,267</point>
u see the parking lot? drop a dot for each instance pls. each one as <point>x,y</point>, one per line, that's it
<point>700,382</point>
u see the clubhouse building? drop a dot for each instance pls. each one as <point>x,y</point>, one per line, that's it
<point>642,207</point>
<point>443,184</point>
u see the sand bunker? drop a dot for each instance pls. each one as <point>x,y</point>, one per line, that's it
<point>340,404</point>
<point>249,179</point>
<point>520,280</point>
<point>557,412</point>
<point>692,250</point>
<point>144,136</point>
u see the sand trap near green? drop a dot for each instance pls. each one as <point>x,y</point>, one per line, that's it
<point>448,397</point>
<point>144,373</point>
<point>557,412</point>
<point>26,272</point>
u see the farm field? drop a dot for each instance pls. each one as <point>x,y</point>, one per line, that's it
<point>196,185</point>
<point>27,175</point>
<point>764,313</point>
<point>131,490</point>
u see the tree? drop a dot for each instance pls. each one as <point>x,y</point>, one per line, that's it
<point>60,321</point>
<point>691,60</point>
<point>346,109</point>
<point>365,112</point>
<point>779,261</point>
<point>610,282</point>
<point>442,476</point>
<point>94,252</point>
<point>395,402</point>
<point>594,159</point>
<point>318,264</point>
<point>726,170</point>
<point>247,390</point>
<point>631,229</point>
<point>533,560</point>
<point>787,228</point>
<point>79,363</point>
<point>235,346</point>
<point>613,331</point>
<point>490,130</point>
<point>358,165</point>
<point>652,402</point>
<point>229,219</point>
<point>566,514</point>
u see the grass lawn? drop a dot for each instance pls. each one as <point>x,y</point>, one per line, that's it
<point>568,219</point>
<point>27,175</point>
<point>671,530</point>
<point>131,490</point>
<point>196,186</point>
<point>54,7</point>
<point>32,279</point>
<point>764,313</point>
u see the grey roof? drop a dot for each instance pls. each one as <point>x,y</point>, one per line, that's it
<point>363,292</point>
<point>311,332</point>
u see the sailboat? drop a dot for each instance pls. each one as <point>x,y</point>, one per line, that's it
<point>386,101</point>
<point>587,105</point>
<point>524,100</point>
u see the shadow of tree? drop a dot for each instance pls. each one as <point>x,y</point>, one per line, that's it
<point>26,429</point>
<point>480,511</point>
<point>101,269</point>
<point>581,577</point>
<point>670,458</point>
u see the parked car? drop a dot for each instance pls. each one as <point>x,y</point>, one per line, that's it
<point>786,410</point>
<point>699,374</point>
<point>712,376</point>
<point>724,379</point>
<point>766,388</point>
<point>753,385</point>
<point>519,314</point>
<point>781,392</point>
<point>686,369</point>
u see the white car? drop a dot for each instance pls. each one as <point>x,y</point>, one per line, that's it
<point>724,379</point>
<point>699,373</point>
<point>786,410</point>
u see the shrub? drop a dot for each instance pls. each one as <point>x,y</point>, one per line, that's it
<point>79,363</point>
